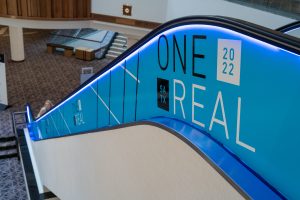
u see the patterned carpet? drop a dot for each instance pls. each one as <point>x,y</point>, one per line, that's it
<point>12,186</point>
<point>6,129</point>
<point>40,77</point>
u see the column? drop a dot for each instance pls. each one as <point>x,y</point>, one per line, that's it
<point>16,43</point>
<point>3,87</point>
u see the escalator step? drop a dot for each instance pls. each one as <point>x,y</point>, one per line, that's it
<point>9,156</point>
<point>8,143</point>
<point>7,139</point>
<point>8,147</point>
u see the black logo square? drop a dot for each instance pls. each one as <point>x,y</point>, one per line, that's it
<point>163,94</point>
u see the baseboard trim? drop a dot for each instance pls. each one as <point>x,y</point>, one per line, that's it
<point>125,21</point>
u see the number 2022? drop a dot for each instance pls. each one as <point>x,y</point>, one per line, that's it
<point>228,68</point>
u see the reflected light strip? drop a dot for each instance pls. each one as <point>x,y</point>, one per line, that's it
<point>106,105</point>
<point>131,74</point>
<point>171,31</point>
<point>28,114</point>
<point>292,30</point>
<point>55,125</point>
<point>64,121</point>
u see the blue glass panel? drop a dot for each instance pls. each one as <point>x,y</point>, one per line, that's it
<point>241,91</point>
<point>117,95</point>
<point>131,82</point>
<point>103,86</point>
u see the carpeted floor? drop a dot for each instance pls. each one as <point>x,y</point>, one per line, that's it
<point>41,76</point>
<point>6,126</point>
<point>12,184</point>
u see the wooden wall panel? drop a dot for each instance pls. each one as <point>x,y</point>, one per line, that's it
<point>48,8</point>
<point>79,9</point>
<point>12,7</point>
<point>24,10</point>
<point>38,7</point>
<point>70,9</point>
<point>75,8</point>
<point>57,9</point>
<point>84,8</point>
<point>29,8</point>
<point>3,7</point>
<point>89,8</point>
<point>43,8</point>
<point>34,8</point>
<point>19,7</point>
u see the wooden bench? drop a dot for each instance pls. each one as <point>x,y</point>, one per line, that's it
<point>68,51</point>
<point>84,53</point>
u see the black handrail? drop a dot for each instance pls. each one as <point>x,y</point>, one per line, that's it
<point>289,27</point>
<point>267,35</point>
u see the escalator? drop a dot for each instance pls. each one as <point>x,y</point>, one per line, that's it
<point>227,88</point>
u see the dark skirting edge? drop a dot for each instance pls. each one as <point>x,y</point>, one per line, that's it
<point>3,107</point>
<point>17,61</point>
<point>47,195</point>
<point>27,166</point>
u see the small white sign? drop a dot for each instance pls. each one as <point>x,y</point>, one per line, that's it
<point>229,61</point>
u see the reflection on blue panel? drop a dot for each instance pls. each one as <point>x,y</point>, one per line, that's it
<point>221,158</point>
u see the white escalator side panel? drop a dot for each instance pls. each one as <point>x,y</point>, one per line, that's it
<point>137,162</point>
<point>33,161</point>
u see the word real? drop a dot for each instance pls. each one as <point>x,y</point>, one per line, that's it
<point>171,48</point>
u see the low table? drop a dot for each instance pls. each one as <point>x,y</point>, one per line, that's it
<point>68,51</point>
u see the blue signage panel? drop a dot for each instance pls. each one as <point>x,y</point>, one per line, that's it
<point>241,91</point>
<point>102,93</point>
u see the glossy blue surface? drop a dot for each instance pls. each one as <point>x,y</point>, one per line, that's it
<point>222,159</point>
<point>253,112</point>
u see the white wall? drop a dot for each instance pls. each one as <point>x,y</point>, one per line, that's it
<point>179,8</point>
<point>154,10</point>
<point>158,11</point>
<point>133,163</point>
<point>165,10</point>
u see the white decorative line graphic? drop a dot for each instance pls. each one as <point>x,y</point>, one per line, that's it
<point>64,121</point>
<point>54,125</point>
<point>105,105</point>
<point>133,76</point>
